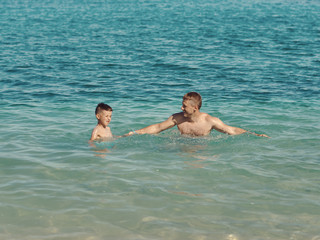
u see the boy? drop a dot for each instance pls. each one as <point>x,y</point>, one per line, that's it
<point>192,122</point>
<point>103,114</point>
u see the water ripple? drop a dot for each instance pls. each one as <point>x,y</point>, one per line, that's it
<point>256,66</point>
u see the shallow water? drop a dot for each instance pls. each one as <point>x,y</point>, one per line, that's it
<point>256,65</point>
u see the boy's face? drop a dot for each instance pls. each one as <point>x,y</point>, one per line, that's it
<point>104,117</point>
<point>188,108</point>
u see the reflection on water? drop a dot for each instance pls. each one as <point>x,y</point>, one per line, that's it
<point>186,194</point>
<point>58,61</point>
<point>102,146</point>
<point>202,162</point>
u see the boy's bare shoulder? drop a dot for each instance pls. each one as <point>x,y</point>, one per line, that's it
<point>96,129</point>
<point>94,133</point>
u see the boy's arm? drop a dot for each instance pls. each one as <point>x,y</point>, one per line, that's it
<point>155,128</point>
<point>218,125</point>
<point>94,134</point>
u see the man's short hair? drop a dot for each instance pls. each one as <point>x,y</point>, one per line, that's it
<point>195,97</point>
<point>102,106</point>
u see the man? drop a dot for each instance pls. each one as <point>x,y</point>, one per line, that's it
<point>191,121</point>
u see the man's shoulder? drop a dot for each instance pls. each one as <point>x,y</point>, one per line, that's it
<point>206,115</point>
<point>210,118</point>
<point>177,117</point>
<point>179,114</point>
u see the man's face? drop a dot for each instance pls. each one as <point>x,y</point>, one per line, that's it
<point>104,117</point>
<point>188,108</point>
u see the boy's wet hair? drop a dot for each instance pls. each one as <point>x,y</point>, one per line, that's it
<point>102,106</point>
<point>195,97</point>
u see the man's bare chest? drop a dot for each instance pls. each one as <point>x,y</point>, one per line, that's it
<point>192,128</point>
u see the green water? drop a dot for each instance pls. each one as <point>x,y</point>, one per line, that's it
<point>256,65</point>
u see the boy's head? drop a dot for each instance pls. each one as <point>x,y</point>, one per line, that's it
<point>103,114</point>
<point>103,106</point>
<point>194,98</point>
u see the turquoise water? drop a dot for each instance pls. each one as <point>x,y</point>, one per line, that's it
<point>256,65</point>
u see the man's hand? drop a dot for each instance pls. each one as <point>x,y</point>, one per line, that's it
<point>129,134</point>
<point>263,135</point>
<point>259,135</point>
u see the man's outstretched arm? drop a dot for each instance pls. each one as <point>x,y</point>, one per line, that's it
<point>218,125</point>
<point>155,128</point>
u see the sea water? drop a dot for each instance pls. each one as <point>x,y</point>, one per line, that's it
<point>256,65</point>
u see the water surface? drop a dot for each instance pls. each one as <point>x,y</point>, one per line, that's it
<point>256,65</point>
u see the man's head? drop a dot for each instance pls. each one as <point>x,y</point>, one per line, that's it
<point>194,99</point>
<point>103,114</point>
<point>191,103</point>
